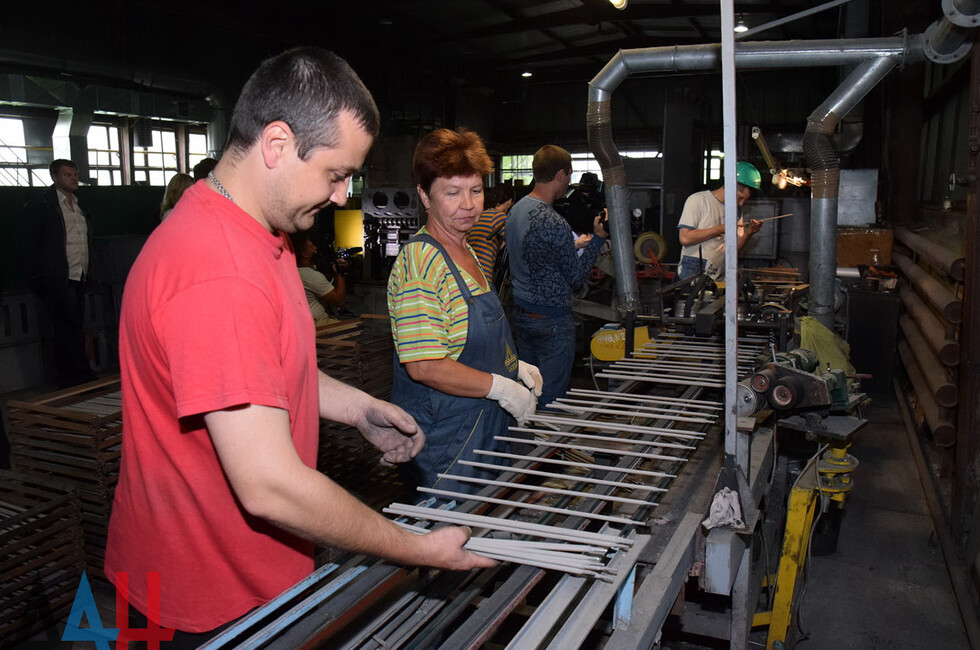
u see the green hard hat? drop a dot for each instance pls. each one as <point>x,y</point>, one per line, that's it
<point>748,175</point>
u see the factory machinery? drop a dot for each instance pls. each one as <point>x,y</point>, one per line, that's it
<point>596,515</point>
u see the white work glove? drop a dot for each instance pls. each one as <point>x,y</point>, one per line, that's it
<point>531,377</point>
<point>515,398</point>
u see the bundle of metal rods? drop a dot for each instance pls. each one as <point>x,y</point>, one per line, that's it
<point>684,362</point>
<point>577,559</point>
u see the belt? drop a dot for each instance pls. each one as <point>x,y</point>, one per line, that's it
<point>530,314</point>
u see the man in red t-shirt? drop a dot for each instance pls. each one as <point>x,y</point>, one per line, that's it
<point>218,490</point>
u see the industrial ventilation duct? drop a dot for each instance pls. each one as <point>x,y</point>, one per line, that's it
<point>945,41</point>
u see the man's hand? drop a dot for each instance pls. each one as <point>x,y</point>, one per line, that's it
<point>391,430</point>
<point>753,227</point>
<point>531,376</point>
<point>583,240</point>
<point>597,226</point>
<point>444,549</point>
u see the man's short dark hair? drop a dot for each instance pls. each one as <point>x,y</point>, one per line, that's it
<point>307,88</point>
<point>203,168</point>
<point>58,163</point>
<point>548,161</point>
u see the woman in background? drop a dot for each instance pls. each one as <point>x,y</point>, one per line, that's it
<point>175,189</point>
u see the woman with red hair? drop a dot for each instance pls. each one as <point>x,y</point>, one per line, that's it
<point>456,366</point>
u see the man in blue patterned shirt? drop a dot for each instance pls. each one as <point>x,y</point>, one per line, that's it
<point>545,268</point>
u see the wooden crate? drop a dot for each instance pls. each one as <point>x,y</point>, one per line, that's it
<point>74,437</point>
<point>358,352</point>
<point>41,554</point>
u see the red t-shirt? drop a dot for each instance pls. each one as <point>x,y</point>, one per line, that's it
<point>214,315</point>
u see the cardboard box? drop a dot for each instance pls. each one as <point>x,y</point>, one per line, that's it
<point>856,245</point>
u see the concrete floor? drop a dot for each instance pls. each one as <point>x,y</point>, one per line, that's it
<point>887,586</point>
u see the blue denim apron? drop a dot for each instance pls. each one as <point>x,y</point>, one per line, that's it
<point>454,426</point>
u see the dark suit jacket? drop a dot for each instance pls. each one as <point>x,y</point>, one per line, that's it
<point>42,243</point>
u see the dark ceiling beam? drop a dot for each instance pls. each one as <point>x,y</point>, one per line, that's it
<point>518,17</point>
<point>694,22</point>
<point>600,11</point>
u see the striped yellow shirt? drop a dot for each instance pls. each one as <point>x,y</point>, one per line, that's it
<point>428,314</point>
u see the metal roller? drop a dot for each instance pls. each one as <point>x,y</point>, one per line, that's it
<point>747,400</point>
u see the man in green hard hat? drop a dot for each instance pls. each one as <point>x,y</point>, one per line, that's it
<point>702,225</point>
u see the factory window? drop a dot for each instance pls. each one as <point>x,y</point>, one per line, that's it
<point>197,147</point>
<point>104,158</point>
<point>155,162</point>
<point>516,169</point>
<point>714,160</point>
<point>14,170</point>
<point>519,167</point>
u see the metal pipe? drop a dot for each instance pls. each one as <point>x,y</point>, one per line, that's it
<point>680,58</point>
<point>825,180</point>
<point>965,13</point>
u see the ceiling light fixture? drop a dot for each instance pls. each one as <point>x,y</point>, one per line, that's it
<point>527,74</point>
<point>741,26</point>
<point>619,4</point>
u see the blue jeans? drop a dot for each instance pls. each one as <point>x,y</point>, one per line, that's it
<point>549,343</point>
<point>689,266</point>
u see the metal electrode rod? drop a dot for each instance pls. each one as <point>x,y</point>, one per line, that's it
<point>672,401</point>
<point>659,380</point>
<point>637,411</point>
<point>604,450</point>
<point>508,525</point>
<point>569,463</point>
<point>578,479</point>
<point>613,438</point>
<point>616,426</point>
<point>463,496</point>
<point>545,489</point>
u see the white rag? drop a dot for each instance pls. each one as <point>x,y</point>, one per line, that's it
<point>725,510</point>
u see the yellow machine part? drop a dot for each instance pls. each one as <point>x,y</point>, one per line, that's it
<point>348,228</point>
<point>610,344</point>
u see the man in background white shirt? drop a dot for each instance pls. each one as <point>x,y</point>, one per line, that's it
<point>56,236</point>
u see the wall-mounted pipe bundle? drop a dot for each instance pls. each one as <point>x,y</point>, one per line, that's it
<point>941,298</point>
<point>940,386</point>
<point>952,263</point>
<point>947,349</point>
<point>943,430</point>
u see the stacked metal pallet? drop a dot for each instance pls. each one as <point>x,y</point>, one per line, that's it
<point>41,556</point>
<point>74,437</point>
<point>358,352</point>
